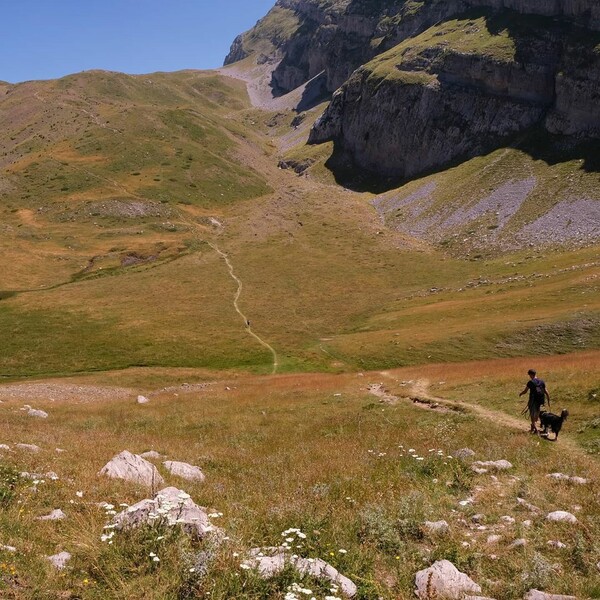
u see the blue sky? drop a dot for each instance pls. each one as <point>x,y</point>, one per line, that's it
<point>44,39</point>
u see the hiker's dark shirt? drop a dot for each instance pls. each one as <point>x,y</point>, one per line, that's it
<point>533,396</point>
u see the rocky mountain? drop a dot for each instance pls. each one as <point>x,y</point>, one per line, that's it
<point>419,84</point>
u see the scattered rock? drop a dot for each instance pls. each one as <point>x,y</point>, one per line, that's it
<point>175,507</point>
<point>436,527</point>
<point>40,414</point>
<point>537,595</point>
<point>60,560</point>
<point>151,454</point>
<point>55,515</point>
<point>527,523</point>
<point>7,548</point>
<point>479,470</point>
<point>556,544</point>
<point>508,520</point>
<point>271,561</point>
<point>477,598</point>
<point>478,518</point>
<point>142,400</point>
<point>33,476</point>
<point>569,478</point>
<point>530,507</point>
<point>493,539</point>
<point>561,515</point>
<point>134,468</point>
<point>59,450</point>
<point>444,580</point>
<point>184,470</point>
<point>519,543</point>
<point>496,465</point>
<point>464,453</point>
<point>28,447</point>
<point>4,447</point>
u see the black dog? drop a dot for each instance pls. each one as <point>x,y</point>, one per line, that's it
<point>548,419</point>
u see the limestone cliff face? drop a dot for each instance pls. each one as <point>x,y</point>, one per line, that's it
<point>422,83</point>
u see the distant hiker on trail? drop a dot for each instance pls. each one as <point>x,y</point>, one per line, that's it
<point>247,323</point>
<point>537,398</point>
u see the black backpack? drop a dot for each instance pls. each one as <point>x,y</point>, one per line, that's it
<point>540,390</point>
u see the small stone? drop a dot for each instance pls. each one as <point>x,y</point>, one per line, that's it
<point>497,465</point>
<point>55,515</point>
<point>142,400</point>
<point>436,527</point>
<point>60,560</point>
<point>561,516</point>
<point>7,548</point>
<point>522,502</point>
<point>28,447</point>
<point>59,450</point>
<point>4,447</point>
<point>527,523</point>
<point>556,544</point>
<point>478,518</point>
<point>40,414</point>
<point>569,478</point>
<point>153,454</point>
<point>184,470</point>
<point>463,453</point>
<point>537,595</point>
<point>519,543</point>
<point>444,580</point>
<point>507,519</point>
<point>493,539</point>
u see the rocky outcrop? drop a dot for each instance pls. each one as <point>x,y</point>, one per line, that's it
<point>461,90</point>
<point>133,468</point>
<point>518,64</point>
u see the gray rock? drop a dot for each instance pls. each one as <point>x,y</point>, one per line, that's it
<point>436,526</point>
<point>556,544</point>
<point>184,470</point>
<point>569,478</point>
<point>4,447</point>
<point>175,508</point>
<point>7,548</point>
<point>519,543</point>
<point>33,476</point>
<point>151,454</point>
<point>40,414</point>
<point>271,561</point>
<point>28,447</point>
<point>493,539</point>
<point>142,400</point>
<point>496,465</point>
<point>537,595</point>
<point>445,581</point>
<point>464,453</point>
<point>55,515</point>
<point>60,560</point>
<point>530,507</point>
<point>561,516</point>
<point>134,468</point>
<point>507,519</point>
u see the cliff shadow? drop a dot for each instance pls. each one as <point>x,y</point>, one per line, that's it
<point>537,143</point>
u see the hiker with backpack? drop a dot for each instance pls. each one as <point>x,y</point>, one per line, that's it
<point>537,398</point>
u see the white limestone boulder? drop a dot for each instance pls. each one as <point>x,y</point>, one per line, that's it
<point>561,516</point>
<point>173,507</point>
<point>142,400</point>
<point>134,468</point>
<point>60,560</point>
<point>40,414</point>
<point>537,595</point>
<point>28,447</point>
<point>55,515</point>
<point>272,561</point>
<point>492,465</point>
<point>184,470</point>
<point>436,527</point>
<point>444,580</point>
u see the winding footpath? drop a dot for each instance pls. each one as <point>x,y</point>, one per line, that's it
<point>237,308</point>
